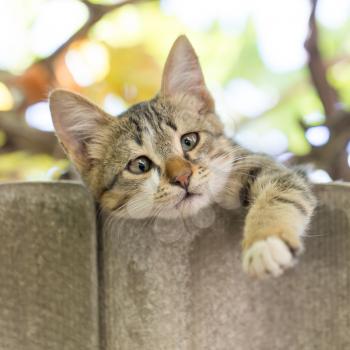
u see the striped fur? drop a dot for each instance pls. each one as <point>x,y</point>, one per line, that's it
<point>279,201</point>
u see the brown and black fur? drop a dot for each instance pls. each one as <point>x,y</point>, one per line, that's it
<point>278,200</point>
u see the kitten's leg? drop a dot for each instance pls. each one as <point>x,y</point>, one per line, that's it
<point>280,206</point>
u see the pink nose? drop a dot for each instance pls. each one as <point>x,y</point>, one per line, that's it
<point>184,179</point>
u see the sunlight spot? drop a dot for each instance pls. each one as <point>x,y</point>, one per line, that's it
<point>245,98</point>
<point>38,116</point>
<point>188,12</point>
<point>88,62</point>
<point>129,20</point>
<point>317,135</point>
<point>201,15</point>
<point>348,147</point>
<point>314,118</point>
<point>113,104</point>
<point>320,176</point>
<point>15,46</point>
<point>333,15</point>
<point>56,21</point>
<point>281,28</point>
<point>126,22</point>
<point>273,141</point>
<point>6,98</point>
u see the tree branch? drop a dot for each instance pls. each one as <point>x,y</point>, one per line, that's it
<point>96,12</point>
<point>20,136</point>
<point>34,83</point>
<point>327,94</point>
<point>332,155</point>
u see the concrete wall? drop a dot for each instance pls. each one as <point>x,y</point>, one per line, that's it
<point>48,289</point>
<point>168,285</point>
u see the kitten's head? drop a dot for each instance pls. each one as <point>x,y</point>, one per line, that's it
<point>166,157</point>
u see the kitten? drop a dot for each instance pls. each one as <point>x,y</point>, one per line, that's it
<point>169,157</point>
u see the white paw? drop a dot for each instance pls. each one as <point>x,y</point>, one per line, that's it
<point>267,257</point>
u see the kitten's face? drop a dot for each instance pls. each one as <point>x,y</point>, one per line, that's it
<point>164,160</point>
<point>166,157</point>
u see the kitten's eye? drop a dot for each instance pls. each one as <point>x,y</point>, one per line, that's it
<point>189,141</point>
<point>139,165</point>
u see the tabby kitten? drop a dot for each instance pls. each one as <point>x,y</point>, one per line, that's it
<point>169,157</point>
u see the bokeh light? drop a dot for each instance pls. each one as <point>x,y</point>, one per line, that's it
<point>333,14</point>
<point>313,118</point>
<point>252,54</point>
<point>88,62</point>
<point>38,116</point>
<point>55,22</point>
<point>317,135</point>
<point>320,176</point>
<point>6,98</point>
<point>279,42</point>
<point>113,104</point>
<point>273,141</point>
<point>243,97</point>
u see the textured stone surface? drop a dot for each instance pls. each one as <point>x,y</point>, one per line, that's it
<point>48,289</point>
<point>307,308</point>
<point>167,285</point>
<point>165,291</point>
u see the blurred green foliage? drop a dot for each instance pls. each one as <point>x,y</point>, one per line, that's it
<point>127,49</point>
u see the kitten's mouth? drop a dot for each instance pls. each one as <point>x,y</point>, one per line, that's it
<point>187,198</point>
<point>190,195</point>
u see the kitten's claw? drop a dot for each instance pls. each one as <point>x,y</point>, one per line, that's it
<point>267,257</point>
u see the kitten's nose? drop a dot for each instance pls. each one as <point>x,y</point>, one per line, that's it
<point>178,171</point>
<point>183,180</point>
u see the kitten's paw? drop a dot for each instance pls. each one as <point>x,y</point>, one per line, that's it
<point>270,256</point>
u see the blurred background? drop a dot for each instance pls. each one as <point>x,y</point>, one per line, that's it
<point>278,69</point>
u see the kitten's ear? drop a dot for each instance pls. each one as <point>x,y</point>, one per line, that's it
<point>183,74</point>
<point>76,121</point>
